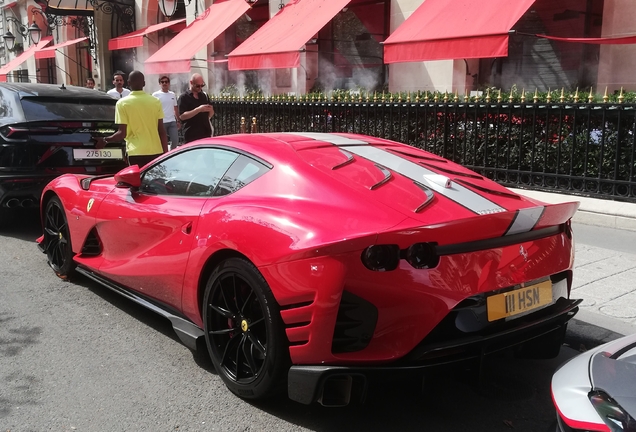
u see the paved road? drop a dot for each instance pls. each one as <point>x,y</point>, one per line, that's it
<point>605,278</point>
<point>76,357</point>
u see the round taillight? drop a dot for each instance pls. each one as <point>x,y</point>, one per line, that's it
<point>381,257</point>
<point>422,255</point>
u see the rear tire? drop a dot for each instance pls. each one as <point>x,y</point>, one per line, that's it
<point>244,332</point>
<point>57,239</point>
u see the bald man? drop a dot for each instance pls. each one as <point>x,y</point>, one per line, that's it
<point>195,111</point>
<point>139,117</point>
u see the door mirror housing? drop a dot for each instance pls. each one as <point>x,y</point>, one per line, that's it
<point>129,177</point>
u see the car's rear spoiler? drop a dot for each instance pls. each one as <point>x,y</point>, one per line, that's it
<point>556,214</point>
<point>541,220</point>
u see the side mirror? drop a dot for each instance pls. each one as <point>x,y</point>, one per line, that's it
<point>128,177</point>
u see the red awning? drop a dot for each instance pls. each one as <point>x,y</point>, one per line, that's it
<point>49,52</point>
<point>278,43</point>
<point>175,56</point>
<point>136,38</point>
<point>4,70</point>
<point>455,29</point>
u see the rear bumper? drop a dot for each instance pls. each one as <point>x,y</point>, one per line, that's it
<point>337,385</point>
<point>29,184</point>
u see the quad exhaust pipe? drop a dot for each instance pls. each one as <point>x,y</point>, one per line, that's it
<point>27,203</point>
<point>13,203</point>
<point>17,202</point>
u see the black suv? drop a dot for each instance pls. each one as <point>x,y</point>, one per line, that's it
<point>48,130</point>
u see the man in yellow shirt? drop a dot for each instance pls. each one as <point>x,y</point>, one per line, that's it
<point>139,117</point>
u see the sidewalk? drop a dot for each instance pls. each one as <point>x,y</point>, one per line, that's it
<point>605,279</point>
<point>599,212</point>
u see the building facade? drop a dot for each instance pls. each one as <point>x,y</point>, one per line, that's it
<point>231,43</point>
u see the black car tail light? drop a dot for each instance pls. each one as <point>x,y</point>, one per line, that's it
<point>13,131</point>
<point>21,132</point>
<point>381,257</point>
<point>614,416</point>
<point>43,130</point>
<point>422,255</point>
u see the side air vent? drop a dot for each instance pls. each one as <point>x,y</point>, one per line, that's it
<point>92,245</point>
<point>387,177</point>
<point>355,324</point>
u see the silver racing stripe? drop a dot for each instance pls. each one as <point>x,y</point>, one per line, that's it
<point>331,138</point>
<point>456,192</point>
<point>525,220</point>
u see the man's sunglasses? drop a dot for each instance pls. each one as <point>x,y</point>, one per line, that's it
<point>199,85</point>
<point>164,82</point>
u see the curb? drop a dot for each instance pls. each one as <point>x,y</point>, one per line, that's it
<point>588,330</point>
<point>592,211</point>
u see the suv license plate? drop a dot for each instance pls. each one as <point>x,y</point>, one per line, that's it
<point>518,301</point>
<point>79,154</point>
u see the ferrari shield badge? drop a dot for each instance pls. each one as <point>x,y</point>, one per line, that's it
<point>90,204</point>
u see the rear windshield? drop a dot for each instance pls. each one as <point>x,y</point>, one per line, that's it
<point>45,109</point>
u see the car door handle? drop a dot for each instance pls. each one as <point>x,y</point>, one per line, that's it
<point>187,228</point>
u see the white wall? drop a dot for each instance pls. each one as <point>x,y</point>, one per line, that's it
<point>617,62</point>
<point>298,76</point>
<point>440,75</point>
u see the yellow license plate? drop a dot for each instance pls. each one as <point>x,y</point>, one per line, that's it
<point>518,301</point>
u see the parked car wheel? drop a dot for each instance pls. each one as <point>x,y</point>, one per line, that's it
<point>243,330</point>
<point>57,239</point>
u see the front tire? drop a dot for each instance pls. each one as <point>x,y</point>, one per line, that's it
<point>244,333</point>
<point>57,239</point>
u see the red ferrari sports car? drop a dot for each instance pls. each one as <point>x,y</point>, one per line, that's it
<point>318,261</point>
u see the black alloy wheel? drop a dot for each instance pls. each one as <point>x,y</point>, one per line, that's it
<point>57,239</point>
<point>243,330</point>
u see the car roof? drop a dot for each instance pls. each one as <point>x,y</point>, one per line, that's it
<point>53,90</point>
<point>271,144</point>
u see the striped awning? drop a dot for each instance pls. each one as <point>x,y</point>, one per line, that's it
<point>71,7</point>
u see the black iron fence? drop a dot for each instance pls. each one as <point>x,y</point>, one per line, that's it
<point>577,148</point>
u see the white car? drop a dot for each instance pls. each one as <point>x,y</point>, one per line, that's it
<point>596,390</point>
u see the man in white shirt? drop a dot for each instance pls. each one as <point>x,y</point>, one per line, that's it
<point>119,91</point>
<point>170,112</point>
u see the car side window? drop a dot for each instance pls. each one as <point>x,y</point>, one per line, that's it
<point>244,171</point>
<point>48,108</point>
<point>195,172</point>
<point>10,110</point>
